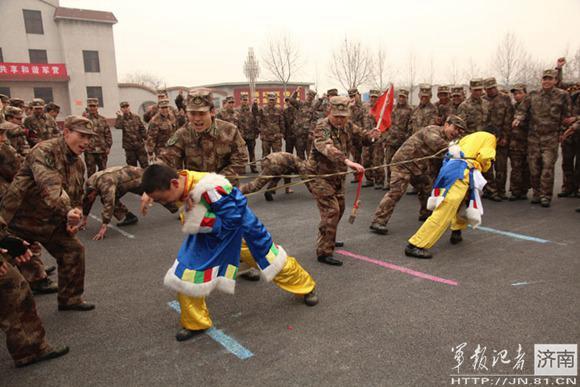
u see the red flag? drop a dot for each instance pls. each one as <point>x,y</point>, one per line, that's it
<point>383,109</point>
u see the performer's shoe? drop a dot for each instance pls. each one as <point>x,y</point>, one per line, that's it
<point>251,275</point>
<point>186,334</point>
<point>56,352</point>
<point>456,237</point>
<point>329,260</point>
<point>379,228</point>
<point>268,196</point>
<point>545,202</point>
<point>44,286</point>
<point>311,299</point>
<point>80,307</point>
<point>49,270</point>
<point>129,220</point>
<point>417,252</point>
<point>289,190</point>
<point>339,244</point>
<point>535,200</point>
<point>368,184</point>
<point>412,192</point>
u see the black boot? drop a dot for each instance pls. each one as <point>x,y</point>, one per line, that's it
<point>186,334</point>
<point>417,252</point>
<point>130,219</point>
<point>456,237</point>
<point>56,352</point>
<point>49,270</point>
<point>329,260</point>
<point>44,286</point>
<point>269,197</point>
<point>338,244</point>
<point>379,228</point>
<point>80,307</point>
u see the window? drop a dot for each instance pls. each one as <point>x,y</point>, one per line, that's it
<point>1,55</point>
<point>45,93</point>
<point>95,92</point>
<point>5,91</point>
<point>38,56</point>
<point>91,59</point>
<point>33,22</point>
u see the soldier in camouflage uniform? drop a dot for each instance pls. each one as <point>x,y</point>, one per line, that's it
<point>3,104</point>
<point>374,155</point>
<point>97,153</point>
<point>443,105</point>
<point>426,142</point>
<point>548,110</point>
<point>457,97</point>
<point>305,121</point>
<point>333,137</point>
<point>161,127</point>
<point>38,125</point>
<point>399,131</point>
<point>359,117</point>
<point>425,113</point>
<point>518,151</point>
<point>290,113</point>
<point>14,132</point>
<point>134,136</point>
<point>228,113</point>
<point>501,115</point>
<point>52,112</point>
<point>10,162</point>
<point>475,110</point>
<point>248,126</point>
<point>272,127</point>
<point>43,204</point>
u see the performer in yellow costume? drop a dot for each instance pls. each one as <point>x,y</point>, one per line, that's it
<point>460,182</point>
<point>221,230</point>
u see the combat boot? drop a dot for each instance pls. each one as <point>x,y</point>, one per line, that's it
<point>53,354</point>
<point>545,202</point>
<point>129,220</point>
<point>535,200</point>
<point>44,286</point>
<point>269,197</point>
<point>329,260</point>
<point>379,228</point>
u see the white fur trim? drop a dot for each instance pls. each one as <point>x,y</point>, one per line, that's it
<point>434,201</point>
<point>206,183</point>
<point>272,271</point>
<point>171,281</point>
<point>192,219</point>
<point>473,216</point>
<point>455,151</point>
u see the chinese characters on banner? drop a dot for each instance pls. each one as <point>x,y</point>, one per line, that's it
<point>33,71</point>
<point>261,95</point>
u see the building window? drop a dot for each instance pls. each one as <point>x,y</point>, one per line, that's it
<point>91,59</point>
<point>95,92</point>
<point>45,93</point>
<point>38,56</point>
<point>5,91</point>
<point>1,55</point>
<point>33,22</point>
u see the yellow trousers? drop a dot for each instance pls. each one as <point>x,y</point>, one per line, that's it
<point>444,215</point>
<point>292,278</point>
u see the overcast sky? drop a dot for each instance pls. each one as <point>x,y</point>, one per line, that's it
<point>189,43</point>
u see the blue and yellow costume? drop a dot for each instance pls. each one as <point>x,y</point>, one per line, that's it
<point>221,230</point>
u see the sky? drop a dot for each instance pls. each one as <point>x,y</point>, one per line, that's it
<point>189,43</point>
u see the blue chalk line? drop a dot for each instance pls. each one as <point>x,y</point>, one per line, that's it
<point>513,235</point>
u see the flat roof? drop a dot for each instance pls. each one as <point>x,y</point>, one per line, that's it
<point>259,83</point>
<point>62,13</point>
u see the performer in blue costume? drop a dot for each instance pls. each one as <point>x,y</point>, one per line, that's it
<point>221,230</point>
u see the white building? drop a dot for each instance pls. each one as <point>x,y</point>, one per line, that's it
<point>59,54</point>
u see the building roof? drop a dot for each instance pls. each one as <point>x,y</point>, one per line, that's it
<point>259,83</point>
<point>62,13</point>
<point>128,85</point>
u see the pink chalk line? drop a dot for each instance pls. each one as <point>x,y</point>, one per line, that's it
<point>398,268</point>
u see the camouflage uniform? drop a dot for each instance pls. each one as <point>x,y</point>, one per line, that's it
<point>35,206</point>
<point>52,129</point>
<point>546,110</point>
<point>248,127</point>
<point>290,113</point>
<point>305,120</point>
<point>475,111</point>
<point>279,163</point>
<point>9,164</point>
<point>228,115</point>
<point>161,128</point>
<point>397,134</point>
<point>424,114</point>
<point>272,129</point>
<point>97,153</point>
<point>359,117</point>
<point>16,137</point>
<point>425,142</point>
<point>571,155</point>
<point>443,109</point>
<point>40,127</point>
<point>374,155</point>
<point>518,154</point>
<point>134,136</point>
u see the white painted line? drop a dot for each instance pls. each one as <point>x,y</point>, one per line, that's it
<point>124,233</point>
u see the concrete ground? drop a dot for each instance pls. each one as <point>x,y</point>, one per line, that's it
<point>383,319</point>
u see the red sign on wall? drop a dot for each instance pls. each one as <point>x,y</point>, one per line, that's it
<point>33,71</point>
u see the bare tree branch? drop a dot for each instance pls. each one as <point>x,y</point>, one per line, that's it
<point>510,58</point>
<point>351,65</point>
<point>382,70</point>
<point>145,79</point>
<point>282,59</point>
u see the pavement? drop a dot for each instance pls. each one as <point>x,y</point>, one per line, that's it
<point>383,319</point>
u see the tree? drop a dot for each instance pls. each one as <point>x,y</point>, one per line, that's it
<point>282,59</point>
<point>351,65</point>
<point>510,58</point>
<point>381,71</point>
<point>453,74</point>
<point>145,79</point>
<point>411,74</point>
<point>472,70</point>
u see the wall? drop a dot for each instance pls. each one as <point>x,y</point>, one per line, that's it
<point>136,96</point>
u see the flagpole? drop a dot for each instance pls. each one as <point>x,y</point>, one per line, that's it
<point>384,107</point>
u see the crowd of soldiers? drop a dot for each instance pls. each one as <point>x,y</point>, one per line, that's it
<point>47,190</point>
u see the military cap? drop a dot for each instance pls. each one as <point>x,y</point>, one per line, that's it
<point>442,90</point>
<point>425,90</point>
<point>312,92</point>
<point>161,96</point>
<point>7,126</point>
<point>456,121</point>
<point>272,96</point>
<point>4,98</point>
<point>199,100</point>
<point>13,111</point>
<point>92,102</point>
<point>476,84</point>
<point>18,102</point>
<point>332,92</point>
<point>52,106</point>
<point>37,103</point>
<point>457,90</point>
<point>519,87</point>
<point>339,106</point>
<point>403,92</point>
<point>489,83</point>
<point>79,124</point>
<point>245,97</point>
<point>124,104</point>
<point>374,93</point>
<point>352,92</point>
<point>551,73</point>
<point>164,102</point>
<point>229,99</point>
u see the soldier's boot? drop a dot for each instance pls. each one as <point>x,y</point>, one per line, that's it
<point>186,334</point>
<point>503,196</point>
<point>368,183</point>
<point>456,237</point>
<point>413,191</point>
<point>495,197</point>
<point>417,252</point>
<point>44,286</point>
<point>311,299</point>
<point>515,197</point>
<point>268,195</point>
<point>49,270</point>
<point>130,219</point>
<point>329,260</point>
<point>80,307</point>
<point>545,202</point>
<point>578,209</point>
<point>56,352</point>
<point>535,200</point>
<point>379,228</point>
<point>339,244</point>
<point>567,194</point>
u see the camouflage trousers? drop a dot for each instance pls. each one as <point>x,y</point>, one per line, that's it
<point>132,156</point>
<point>542,156</point>
<point>309,144</point>
<point>302,146</point>
<point>25,336</point>
<point>400,180</point>
<point>69,253</point>
<point>356,152</point>
<point>520,170</point>
<point>251,145</point>
<point>290,144</point>
<point>571,163</point>
<point>268,169</point>
<point>33,271</point>
<point>373,156</point>
<point>269,146</point>
<point>497,175</point>
<point>94,161</point>
<point>390,151</point>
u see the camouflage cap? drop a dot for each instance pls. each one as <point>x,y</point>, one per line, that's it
<point>124,104</point>
<point>37,103</point>
<point>52,106</point>
<point>229,99</point>
<point>352,92</point>
<point>374,93</point>
<point>403,92</point>
<point>79,124</point>
<point>4,98</point>
<point>18,102</point>
<point>92,102</point>
<point>245,97</point>
<point>161,96</point>
<point>272,96</point>
<point>456,121</point>
<point>442,90</point>
<point>199,100</point>
<point>13,111</point>
<point>7,126</point>
<point>457,90</point>
<point>163,103</point>
<point>476,84</point>
<point>312,92</point>
<point>489,83</point>
<point>425,90</point>
<point>339,106</point>
<point>519,87</point>
<point>550,73</point>
<point>332,92</point>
